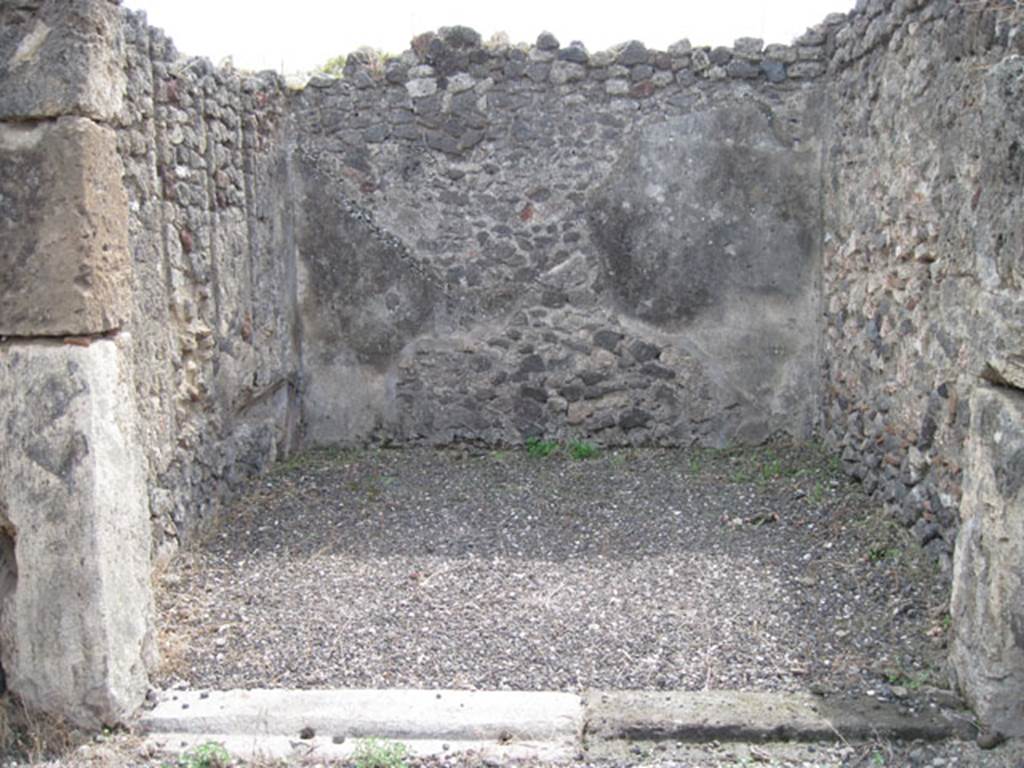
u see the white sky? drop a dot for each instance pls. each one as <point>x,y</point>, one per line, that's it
<point>298,35</point>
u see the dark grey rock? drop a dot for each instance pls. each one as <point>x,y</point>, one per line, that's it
<point>635,419</point>
<point>632,53</point>
<point>607,339</point>
<point>657,371</point>
<point>460,37</point>
<point>720,56</point>
<point>641,72</point>
<point>532,364</point>
<point>534,393</point>
<point>643,352</point>
<point>547,42</point>
<point>744,69</point>
<point>575,53</point>
<point>591,378</point>
<point>775,71</point>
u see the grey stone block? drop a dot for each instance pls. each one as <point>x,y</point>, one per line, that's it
<point>987,651</point>
<point>64,214</point>
<point>74,528</point>
<point>67,58</point>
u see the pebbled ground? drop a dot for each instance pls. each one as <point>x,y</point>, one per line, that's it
<point>758,570</point>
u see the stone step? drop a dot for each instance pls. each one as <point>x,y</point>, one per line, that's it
<point>744,716</point>
<point>510,725</point>
<point>331,723</point>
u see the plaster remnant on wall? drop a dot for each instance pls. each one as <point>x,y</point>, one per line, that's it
<point>30,44</point>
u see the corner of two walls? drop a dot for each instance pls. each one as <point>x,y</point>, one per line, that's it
<point>148,339</point>
<point>215,326</point>
<point>924,315</point>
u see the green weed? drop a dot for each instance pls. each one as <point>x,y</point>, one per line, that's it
<point>581,449</point>
<point>212,754</point>
<point>818,492</point>
<point>540,449</point>
<point>912,681</point>
<point>378,753</point>
<point>771,469</point>
<point>878,554</point>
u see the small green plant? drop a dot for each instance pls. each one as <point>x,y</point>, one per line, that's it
<point>540,449</point>
<point>771,469</point>
<point>334,66</point>
<point>878,554</point>
<point>835,466</point>
<point>912,681</point>
<point>741,475</point>
<point>581,449</point>
<point>212,754</point>
<point>818,493</point>
<point>379,753</point>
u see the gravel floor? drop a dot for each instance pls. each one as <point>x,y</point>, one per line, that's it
<point>762,570</point>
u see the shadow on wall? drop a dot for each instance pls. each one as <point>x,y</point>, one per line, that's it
<point>8,574</point>
<point>706,207</point>
<point>709,229</point>
<point>689,318</point>
<point>362,297</point>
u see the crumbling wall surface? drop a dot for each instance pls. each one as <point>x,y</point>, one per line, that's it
<point>922,279</point>
<point>501,243</point>
<point>75,600</point>
<point>216,357</point>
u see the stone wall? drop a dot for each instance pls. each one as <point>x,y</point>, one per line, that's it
<point>498,243</point>
<point>76,613</point>
<point>213,312</point>
<point>922,280</point>
<point>488,243</point>
<point>148,338</point>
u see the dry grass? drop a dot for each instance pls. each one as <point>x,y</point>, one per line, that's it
<point>28,736</point>
<point>175,628</point>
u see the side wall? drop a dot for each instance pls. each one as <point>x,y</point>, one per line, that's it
<point>922,289</point>
<point>502,243</point>
<point>148,340</point>
<point>213,312</point>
